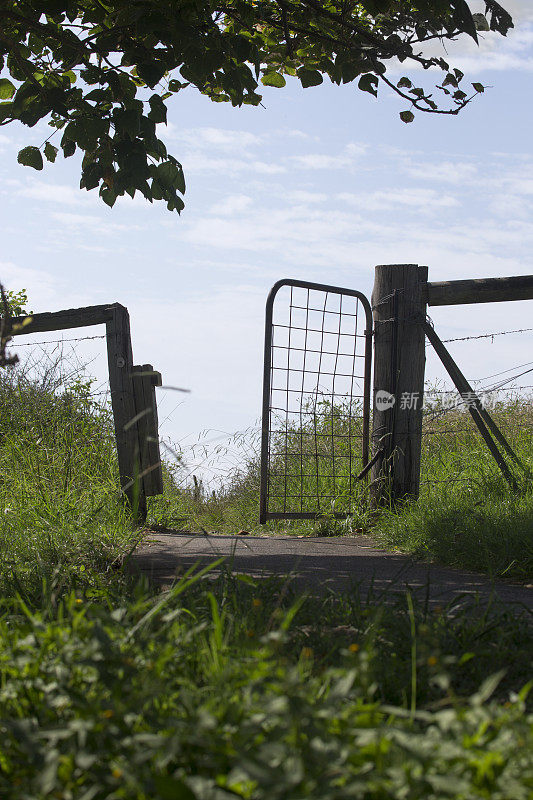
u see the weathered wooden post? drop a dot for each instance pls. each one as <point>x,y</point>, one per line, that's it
<point>145,379</point>
<point>398,303</point>
<point>120,360</point>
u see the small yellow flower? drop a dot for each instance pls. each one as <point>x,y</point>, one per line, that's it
<point>307,652</point>
<point>108,713</point>
<point>432,660</point>
<point>353,648</point>
<point>250,633</point>
<point>256,602</point>
<point>117,773</point>
<point>79,600</point>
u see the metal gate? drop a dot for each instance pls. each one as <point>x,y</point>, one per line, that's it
<point>316,400</point>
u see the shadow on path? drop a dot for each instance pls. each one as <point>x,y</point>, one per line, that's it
<point>319,563</point>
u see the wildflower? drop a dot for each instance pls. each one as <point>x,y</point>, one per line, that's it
<point>307,652</point>
<point>256,602</point>
<point>79,600</point>
<point>353,648</point>
<point>108,713</point>
<point>432,660</point>
<point>117,773</point>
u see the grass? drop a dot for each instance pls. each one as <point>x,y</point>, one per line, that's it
<point>233,689</point>
<point>58,477</point>
<point>466,515</point>
<point>223,687</point>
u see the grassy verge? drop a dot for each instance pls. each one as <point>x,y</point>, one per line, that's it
<point>466,515</point>
<point>226,687</point>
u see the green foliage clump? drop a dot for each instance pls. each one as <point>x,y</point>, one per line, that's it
<point>101,73</point>
<point>58,474</point>
<point>230,689</point>
<point>467,516</point>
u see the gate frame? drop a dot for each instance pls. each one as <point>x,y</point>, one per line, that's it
<point>264,514</point>
<point>132,392</point>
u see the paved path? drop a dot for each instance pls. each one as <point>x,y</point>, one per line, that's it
<point>318,562</point>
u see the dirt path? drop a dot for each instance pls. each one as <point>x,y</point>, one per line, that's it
<point>319,562</point>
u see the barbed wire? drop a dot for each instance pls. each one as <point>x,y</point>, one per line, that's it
<point>57,341</point>
<point>486,335</point>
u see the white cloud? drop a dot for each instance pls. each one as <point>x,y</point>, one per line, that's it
<point>232,204</point>
<point>315,161</point>
<point>306,197</point>
<point>209,138</point>
<point>425,200</point>
<point>45,291</point>
<point>52,193</point>
<point>445,171</point>
<point>200,162</point>
<point>89,222</point>
<point>350,154</point>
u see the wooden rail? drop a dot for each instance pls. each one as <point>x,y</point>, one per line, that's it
<point>480,290</point>
<point>62,320</point>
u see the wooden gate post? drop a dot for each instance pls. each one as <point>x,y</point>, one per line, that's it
<point>398,302</point>
<point>120,360</point>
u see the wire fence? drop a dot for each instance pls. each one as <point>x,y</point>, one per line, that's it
<point>214,461</point>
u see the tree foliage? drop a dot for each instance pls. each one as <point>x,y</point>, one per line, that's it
<point>101,71</point>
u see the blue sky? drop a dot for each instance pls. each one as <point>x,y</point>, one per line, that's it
<point>321,184</point>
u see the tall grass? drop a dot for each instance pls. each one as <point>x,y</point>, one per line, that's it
<point>59,496</point>
<point>466,514</point>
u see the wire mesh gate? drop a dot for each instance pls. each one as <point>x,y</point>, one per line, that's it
<point>316,400</point>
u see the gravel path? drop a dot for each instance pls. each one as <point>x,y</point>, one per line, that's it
<point>320,563</point>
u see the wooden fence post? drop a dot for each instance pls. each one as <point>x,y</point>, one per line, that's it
<point>145,379</point>
<point>398,303</point>
<point>120,360</point>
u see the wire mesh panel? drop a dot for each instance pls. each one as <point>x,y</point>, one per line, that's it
<point>316,400</point>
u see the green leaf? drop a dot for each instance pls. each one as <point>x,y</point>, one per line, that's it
<point>407,116</point>
<point>169,788</point>
<point>7,90</point>
<point>127,121</point>
<point>151,73</point>
<point>30,157</point>
<point>463,18</point>
<point>69,148</point>
<point>170,174</point>
<point>369,83</point>
<point>450,80</point>
<point>50,152</point>
<point>273,79</point>
<point>175,86</point>
<point>479,87</point>
<point>108,196</point>
<point>158,110</point>
<point>404,83</point>
<point>309,77</point>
